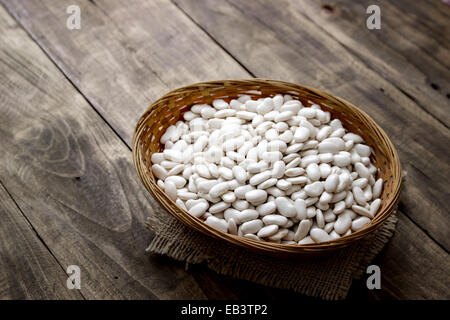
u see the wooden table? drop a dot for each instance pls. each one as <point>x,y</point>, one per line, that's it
<point>69,99</point>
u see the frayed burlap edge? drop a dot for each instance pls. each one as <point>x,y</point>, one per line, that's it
<point>328,277</point>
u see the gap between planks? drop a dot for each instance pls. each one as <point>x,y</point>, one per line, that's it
<point>25,39</point>
<point>213,39</point>
<point>359,58</point>
<point>34,231</point>
<point>256,18</point>
<point>90,103</point>
<point>203,30</point>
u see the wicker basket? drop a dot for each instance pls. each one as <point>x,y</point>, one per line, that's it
<point>169,109</point>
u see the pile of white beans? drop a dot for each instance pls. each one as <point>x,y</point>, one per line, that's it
<point>269,169</point>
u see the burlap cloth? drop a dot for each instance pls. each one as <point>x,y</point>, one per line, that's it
<point>328,277</point>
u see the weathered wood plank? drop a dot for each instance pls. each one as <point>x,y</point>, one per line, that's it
<point>413,266</point>
<point>60,44</point>
<point>430,25</point>
<point>272,42</point>
<point>132,57</point>
<point>400,52</point>
<point>74,181</point>
<point>277,46</point>
<point>125,56</point>
<point>27,268</point>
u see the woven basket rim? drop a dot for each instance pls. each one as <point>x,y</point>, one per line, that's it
<point>198,224</point>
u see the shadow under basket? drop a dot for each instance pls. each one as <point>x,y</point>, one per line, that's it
<point>167,110</point>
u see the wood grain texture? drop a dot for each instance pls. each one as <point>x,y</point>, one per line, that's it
<point>412,266</point>
<point>400,52</point>
<point>275,43</point>
<point>123,47</point>
<point>27,268</point>
<point>133,47</point>
<point>125,56</point>
<point>427,25</point>
<point>74,181</point>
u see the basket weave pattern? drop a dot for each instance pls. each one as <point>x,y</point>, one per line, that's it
<point>167,110</point>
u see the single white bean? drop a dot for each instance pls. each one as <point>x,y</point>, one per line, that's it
<point>358,195</point>
<point>252,226</point>
<point>159,171</point>
<point>218,189</point>
<point>377,187</point>
<point>294,172</point>
<point>359,223</point>
<point>276,219</point>
<point>374,206</point>
<point>232,226</point>
<point>313,171</point>
<point>278,169</point>
<point>216,223</point>
<point>260,177</point>
<point>171,190</point>
<point>306,240</point>
<point>301,134</point>
<point>219,207</point>
<point>331,145</point>
<point>342,223</point>
<point>319,235</point>
<point>281,233</point>
<point>199,209</point>
<point>363,172</point>
<point>267,184</point>
<point>268,231</point>
<point>256,196</point>
<point>267,208</point>
<point>285,207</point>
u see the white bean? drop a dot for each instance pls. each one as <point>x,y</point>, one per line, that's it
<point>306,240</point>
<point>240,204</point>
<point>268,231</point>
<point>232,226</point>
<point>252,226</point>
<point>342,223</point>
<point>362,211</point>
<point>218,189</point>
<point>360,222</point>
<point>171,190</point>
<point>247,215</point>
<point>313,171</point>
<point>285,207</point>
<point>219,207</point>
<point>376,190</point>
<point>260,177</point>
<point>159,171</point>
<point>256,196</point>
<point>266,208</point>
<point>315,189</point>
<point>199,209</point>
<point>216,223</point>
<point>300,207</point>
<point>331,183</point>
<point>358,195</point>
<point>374,206</point>
<point>276,219</point>
<point>331,145</point>
<point>269,169</point>
<point>319,235</point>
<point>281,233</point>
<point>363,172</point>
<point>278,169</point>
<point>267,184</point>
<point>301,134</point>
